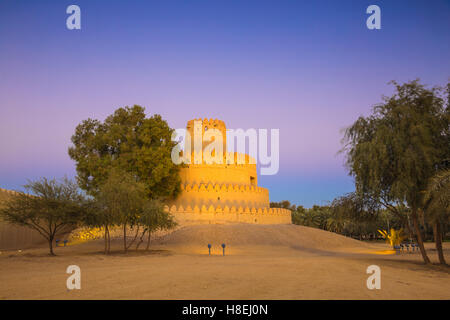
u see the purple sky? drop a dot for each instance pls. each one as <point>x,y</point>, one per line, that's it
<point>308,68</point>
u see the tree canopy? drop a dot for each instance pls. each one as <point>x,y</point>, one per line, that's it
<point>122,201</point>
<point>130,141</point>
<point>394,152</point>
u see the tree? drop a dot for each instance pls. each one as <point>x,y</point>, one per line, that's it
<point>154,218</point>
<point>320,215</point>
<point>49,207</point>
<point>314,217</point>
<point>129,141</point>
<point>437,204</point>
<point>394,151</point>
<point>99,215</point>
<point>354,214</point>
<point>297,215</point>
<point>285,204</point>
<point>120,200</point>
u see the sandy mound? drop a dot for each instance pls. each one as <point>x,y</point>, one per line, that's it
<point>239,235</point>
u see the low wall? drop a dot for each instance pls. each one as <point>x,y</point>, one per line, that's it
<point>16,237</point>
<point>213,214</point>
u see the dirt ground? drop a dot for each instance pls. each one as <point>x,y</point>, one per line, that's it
<point>261,262</point>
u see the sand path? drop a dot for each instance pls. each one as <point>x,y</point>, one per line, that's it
<point>261,262</point>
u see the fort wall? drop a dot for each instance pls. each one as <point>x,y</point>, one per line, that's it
<point>13,236</point>
<point>223,195</point>
<point>218,214</point>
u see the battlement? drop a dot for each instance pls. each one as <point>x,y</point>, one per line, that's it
<point>229,158</point>
<point>11,192</point>
<point>226,209</point>
<point>215,187</point>
<point>211,123</point>
<point>233,214</point>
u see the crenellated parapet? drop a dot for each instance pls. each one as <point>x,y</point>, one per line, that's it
<point>11,192</point>
<point>218,214</point>
<point>229,159</point>
<point>211,123</point>
<point>226,209</point>
<point>222,194</point>
<point>223,188</point>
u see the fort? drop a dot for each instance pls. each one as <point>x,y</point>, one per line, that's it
<point>212,192</point>
<point>223,191</point>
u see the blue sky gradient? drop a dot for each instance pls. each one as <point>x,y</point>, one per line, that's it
<point>309,68</point>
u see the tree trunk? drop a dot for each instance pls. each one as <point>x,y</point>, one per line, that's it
<point>408,227</point>
<point>141,239</point>
<point>106,239</point>
<point>419,236</point>
<point>125,237</point>
<point>50,245</point>
<point>134,239</point>
<point>438,240</point>
<point>109,242</point>
<point>148,241</point>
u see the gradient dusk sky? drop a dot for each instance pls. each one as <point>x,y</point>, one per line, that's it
<point>309,68</point>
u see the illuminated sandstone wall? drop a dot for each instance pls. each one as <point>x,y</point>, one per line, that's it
<point>211,215</point>
<point>223,195</point>
<point>16,237</point>
<point>244,174</point>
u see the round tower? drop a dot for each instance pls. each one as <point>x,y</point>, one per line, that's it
<point>225,191</point>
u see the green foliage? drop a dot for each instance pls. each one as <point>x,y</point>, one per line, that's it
<point>121,200</point>
<point>395,151</point>
<point>121,197</point>
<point>437,197</point>
<point>348,215</point>
<point>395,154</point>
<point>49,207</point>
<point>131,142</point>
<point>285,204</point>
<point>315,217</point>
<point>154,217</point>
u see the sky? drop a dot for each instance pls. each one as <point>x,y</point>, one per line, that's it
<point>307,68</point>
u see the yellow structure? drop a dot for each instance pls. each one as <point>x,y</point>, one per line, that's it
<point>223,191</point>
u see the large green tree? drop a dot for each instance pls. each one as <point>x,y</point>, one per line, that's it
<point>395,151</point>
<point>130,141</point>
